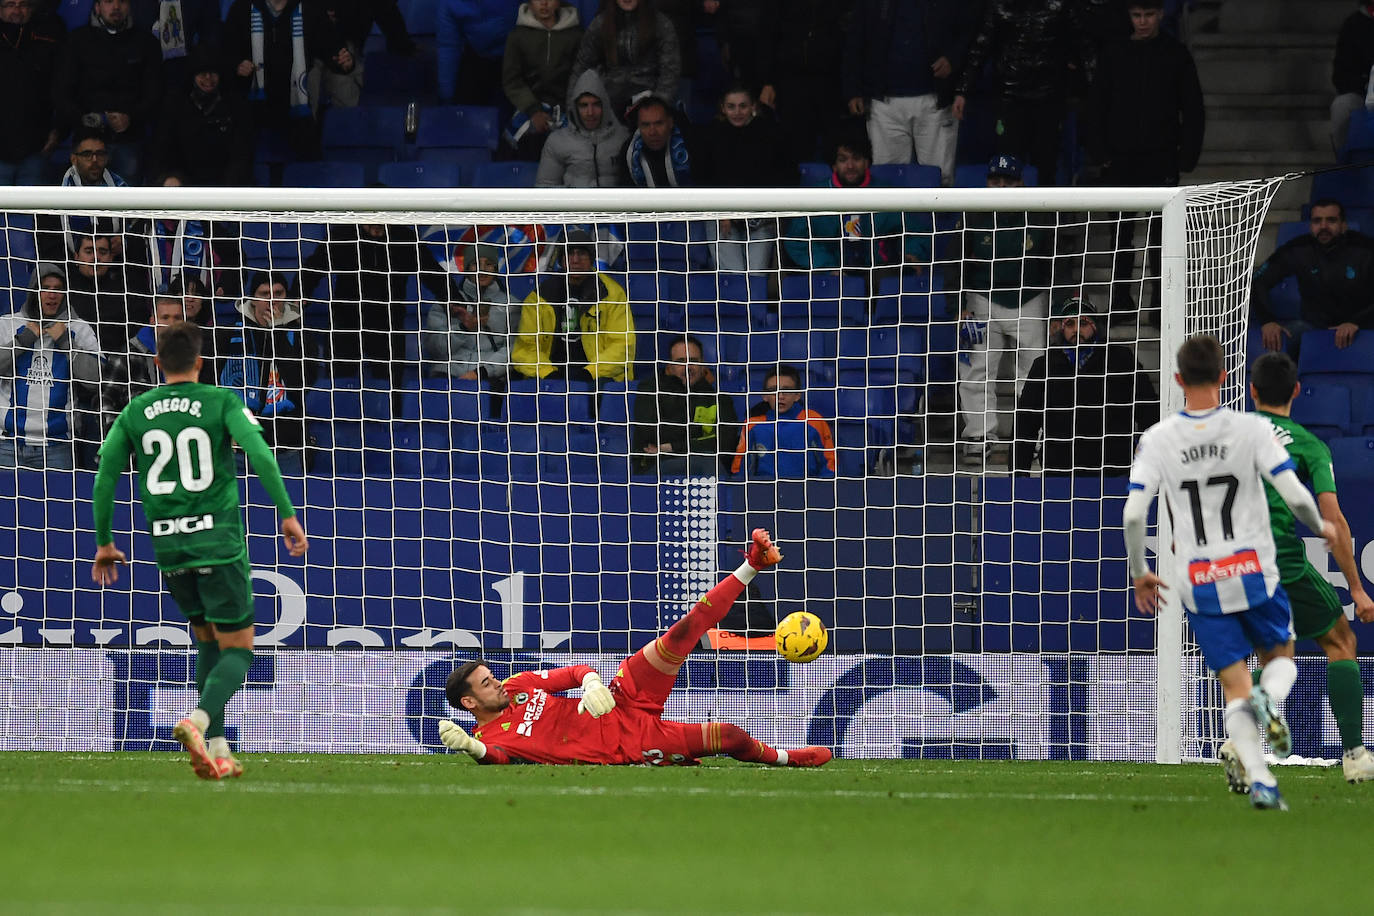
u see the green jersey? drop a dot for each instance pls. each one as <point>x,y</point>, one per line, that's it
<point>1313,460</point>
<point>182,438</point>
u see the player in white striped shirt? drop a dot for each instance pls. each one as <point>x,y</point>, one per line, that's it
<point>1210,463</point>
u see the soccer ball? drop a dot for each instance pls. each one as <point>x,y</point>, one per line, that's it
<point>801,637</point>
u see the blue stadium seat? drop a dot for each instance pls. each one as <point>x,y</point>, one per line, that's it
<point>814,174</point>
<point>405,448</point>
<point>1324,408</point>
<point>1353,459</point>
<point>656,288</point>
<point>419,174</point>
<point>323,175</point>
<point>976,175</point>
<point>475,126</point>
<point>367,127</point>
<point>1352,366</point>
<point>467,159</point>
<point>1353,188</point>
<point>1284,297</point>
<point>513,174</point>
<point>443,399</point>
<point>278,246</point>
<point>910,175</point>
<point>421,16</point>
<point>1364,420</point>
<point>75,13</point>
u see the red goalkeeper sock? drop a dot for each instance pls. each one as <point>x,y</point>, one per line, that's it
<point>733,741</point>
<point>683,636</point>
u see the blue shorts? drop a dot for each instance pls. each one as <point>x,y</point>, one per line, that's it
<point>1228,638</point>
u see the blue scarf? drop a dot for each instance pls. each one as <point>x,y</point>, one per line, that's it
<point>299,99</point>
<point>678,175</point>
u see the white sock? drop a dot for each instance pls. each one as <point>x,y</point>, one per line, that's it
<point>1243,729</point>
<point>201,718</point>
<point>219,747</point>
<point>782,758</point>
<point>1278,677</point>
<point>1355,751</point>
<point>746,573</point>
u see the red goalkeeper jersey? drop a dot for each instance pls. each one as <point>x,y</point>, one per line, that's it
<point>539,727</point>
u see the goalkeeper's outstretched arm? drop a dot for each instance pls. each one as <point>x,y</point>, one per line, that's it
<point>456,739</point>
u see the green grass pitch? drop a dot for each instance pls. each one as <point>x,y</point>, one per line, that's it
<point>137,833</point>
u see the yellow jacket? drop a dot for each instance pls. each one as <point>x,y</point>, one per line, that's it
<point>608,335</point>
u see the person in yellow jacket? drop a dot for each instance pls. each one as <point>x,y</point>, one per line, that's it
<point>576,326</point>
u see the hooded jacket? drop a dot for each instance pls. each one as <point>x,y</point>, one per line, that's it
<point>606,331</point>
<point>539,61</point>
<point>455,351</point>
<point>266,364</point>
<point>629,69</point>
<point>576,157</point>
<point>1149,103</point>
<point>29,56</point>
<point>107,69</point>
<point>1090,401</point>
<point>37,372</point>
<point>1030,43</point>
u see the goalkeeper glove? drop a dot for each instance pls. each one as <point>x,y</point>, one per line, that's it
<point>456,739</point>
<point>596,697</point>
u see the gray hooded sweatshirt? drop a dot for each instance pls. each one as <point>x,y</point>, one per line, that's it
<point>575,157</point>
<point>453,350</point>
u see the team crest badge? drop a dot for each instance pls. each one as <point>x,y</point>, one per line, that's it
<point>522,698</point>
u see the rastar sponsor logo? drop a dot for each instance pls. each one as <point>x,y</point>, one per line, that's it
<point>184,525</point>
<point>1203,572</point>
<point>533,711</point>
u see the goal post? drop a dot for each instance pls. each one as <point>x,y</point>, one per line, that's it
<point>974,611</point>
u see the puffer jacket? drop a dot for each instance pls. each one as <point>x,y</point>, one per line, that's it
<point>1032,44</point>
<point>575,157</point>
<point>453,350</point>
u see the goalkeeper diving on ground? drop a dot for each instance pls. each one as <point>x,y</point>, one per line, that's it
<point>523,720</point>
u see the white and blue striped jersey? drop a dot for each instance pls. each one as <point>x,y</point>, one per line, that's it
<point>36,394</point>
<point>1209,468</point>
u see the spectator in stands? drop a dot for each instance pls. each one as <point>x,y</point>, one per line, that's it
<point>355,18</point>
<point>586,152</point>
<point>30,47</point>
<point>659,154</point>
<point>178,26</point>
<point>1036,50</point>
<point>635,49</point>
<point>1334,267</point>
<point>97,292</point>
<point>899,67</point>
<point>205,133</point>
<point>111,76</point>
<point>1149,124</point>
<point>744,148</point>
<point>272,64</point>
<point>576,326</point>
<point>535,71</point>
<point>1350,71</point>
<point>1089,397</point>
<point>857,241</point>
<point>1004,263</point>
<point>90,157</point>
<point>47,356</point>
<point>469,337</point>
<point>198,309</point>
<point>746,33</point>
<point>471,41</point>
<point>371,265</point>
<point>134,372</point>
<point>330,84</point>
<point>263,358</point>
<point>808,40</point>
<point>683,424</point>
<point>162,250</point>
<point>781,439</point>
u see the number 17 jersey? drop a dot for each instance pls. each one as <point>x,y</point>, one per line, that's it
<point>1209,468</point>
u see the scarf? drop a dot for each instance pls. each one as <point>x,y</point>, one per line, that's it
<point>299,100</point>
<point>1079,355</point>
<point>170,29</point>
<point>70,179</point>
<point>680,166</point>
<point>264,396</point>
<point>184,244</point>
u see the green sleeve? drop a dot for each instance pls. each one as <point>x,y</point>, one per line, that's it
<point>114,458</point>
<point>1319,466</point>
<point>243,426</point>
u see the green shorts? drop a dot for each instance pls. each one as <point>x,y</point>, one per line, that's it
<point>1316,606</point>
<point>223,594</point>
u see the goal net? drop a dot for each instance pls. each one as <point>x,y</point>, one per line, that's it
<point>480,404</point>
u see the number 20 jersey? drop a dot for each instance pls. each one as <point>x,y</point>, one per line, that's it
<point>1209,468</point>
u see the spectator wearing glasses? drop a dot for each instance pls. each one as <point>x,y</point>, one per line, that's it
<point>29,51</point>
<point>783,439</point>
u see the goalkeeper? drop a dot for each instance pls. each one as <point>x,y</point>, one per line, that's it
<point>182,437</point>
<point>1317,611</point>
<point>521,720</point>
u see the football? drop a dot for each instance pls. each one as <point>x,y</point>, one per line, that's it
<point>801,637</point>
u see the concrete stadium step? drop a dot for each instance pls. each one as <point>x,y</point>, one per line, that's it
<point>1267,133</point>
<point>1263,70</point>
<point>1315,16</point>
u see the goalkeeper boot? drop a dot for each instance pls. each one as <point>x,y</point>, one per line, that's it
<point>809,757</point>
<point>763,553</point>
<point>1236,777</point>
<point>1273,723</point>
<point>228,767</point>
<point>1358,765</point>
<point>193,739</point>
<point>1267,798</point>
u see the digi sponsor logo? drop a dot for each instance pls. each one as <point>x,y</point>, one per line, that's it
<point>187,524</point>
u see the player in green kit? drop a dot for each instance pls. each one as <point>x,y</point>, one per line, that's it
<point>182,438</point>
<point>1317,611</point>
